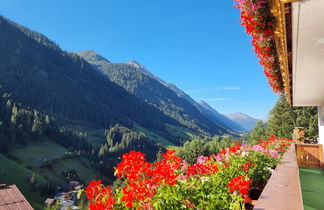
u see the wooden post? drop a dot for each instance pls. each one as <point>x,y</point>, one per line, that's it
<point>320,155</point>
<point>298,153</point>
<point>310,155</point>
<point>299,135</point>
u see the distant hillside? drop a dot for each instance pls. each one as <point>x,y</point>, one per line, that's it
<point>243,120</point>
<point>213,114</point>
<point>203,107</point>
<point>207,111</point>
<point>137,80</point>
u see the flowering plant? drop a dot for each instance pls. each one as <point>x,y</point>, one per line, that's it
<point>256,18</point>
<point>221,181</point>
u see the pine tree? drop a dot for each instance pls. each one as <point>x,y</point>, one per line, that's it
<point>37,127</point>
<point>283,119</point>
<point>259,132</point>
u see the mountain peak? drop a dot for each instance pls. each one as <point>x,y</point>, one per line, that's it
<point>202,102</point>
<point>91,55</point>
<point>135,64</point>
<point>207,106</point>
<point>243,119</point>
<point>141,68</point>
<point>240,115</point>
<point>138,66</point>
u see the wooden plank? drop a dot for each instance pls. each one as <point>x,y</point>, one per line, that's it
<point>321,156</point>
<point>283,191</point>
<point>299,154</point>
<point>309,155</point>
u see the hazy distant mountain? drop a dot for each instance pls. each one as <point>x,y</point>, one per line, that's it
<point>206,110</point>
<point>202,106</point>
<point>243,120</point>
<point>222,118</point>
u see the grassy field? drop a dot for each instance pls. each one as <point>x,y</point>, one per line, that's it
<point>179,131</point>
<point>155,137</point>
<point>36,154</point>
<point>83,171</point>
<point>96,136</point>
<point>13,173</point>
<point>95,133</point>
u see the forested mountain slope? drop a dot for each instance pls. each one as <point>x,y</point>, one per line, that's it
<point>40,75</point>
<point>137,80</point>
<point>202,106</point>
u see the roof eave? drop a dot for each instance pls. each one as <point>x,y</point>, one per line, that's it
<point>281,11</point>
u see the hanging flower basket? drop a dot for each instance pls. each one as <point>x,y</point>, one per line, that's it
<point>258,22</point>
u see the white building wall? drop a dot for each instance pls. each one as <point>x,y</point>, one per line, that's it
<point>321,124</point>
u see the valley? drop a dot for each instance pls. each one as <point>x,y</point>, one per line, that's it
<point>71,116</point>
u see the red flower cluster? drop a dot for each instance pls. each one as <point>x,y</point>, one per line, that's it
<point>143,177</point>
<point>246,166</point>
<point>256,18</point>
<point>281,147</point>
<point>239,185</point>
<point>202,169</point>
<point>165,170</point>
<point>234,148</point>
<point>100,197</point>
<point>135,192</point>
<point>132,166</point>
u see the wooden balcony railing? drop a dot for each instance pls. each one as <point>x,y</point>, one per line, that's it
<point>310,155</point>
<point>283,189</point>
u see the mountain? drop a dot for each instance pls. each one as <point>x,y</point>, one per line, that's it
<point>137,80</point>
<point>95,58</point>
<point>42,76</point>
<point>203,107</point>
<point>243,120</point>
<point>227,122</point>
<point>209,113</point>
<point>142,68</point>
<point>207,110</point>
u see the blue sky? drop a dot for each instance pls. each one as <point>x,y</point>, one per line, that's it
<point>197,45</point>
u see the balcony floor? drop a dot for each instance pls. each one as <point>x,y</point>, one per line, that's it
<point>312,185</point>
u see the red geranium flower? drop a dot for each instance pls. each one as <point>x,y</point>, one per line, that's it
<point>239,185</point>
<point>246,166</point>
